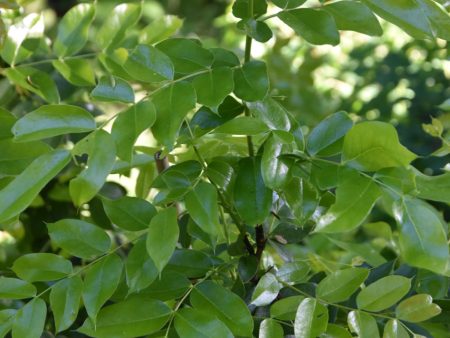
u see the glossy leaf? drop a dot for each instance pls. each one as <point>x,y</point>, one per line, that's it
<point>29,320</point>
<point>417,308</point>
<point>311,319</point>
<point>273,114</point>
<point>140,268</point>
<point>52,120</point>
<point>37,267</point>
<point>251,82</point>
<point>270,328</point>
<point>65,297</point>
<point>394,329</point>
<point>293,272</point>
<point>79,238</point>
<point>341,284</point>
<point>286,308</point>
<point>112,89</point>
<point>434,188</point>
<point>275,171</point>
<point>192,323</point>
<point>266,290</point>
<point>13,288</point>
<point>214,86</point>
<point>363,324</point>
<point>78,72</point>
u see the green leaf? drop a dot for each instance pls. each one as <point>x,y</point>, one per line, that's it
<point>423,241</point>
<point>129,125</point>
<point>394,329</point>
<point>363,324</point>
<point>78,72</point>
<point>266,290</point>
<point>79,238</point>
<point>270,328</point>
<point>188,56</point>
<point>121,320</point>
<point>252,198</point>
<point>241,8</point>
<point>311,319</point>
<point>302,197</point>
<point>257,30</point>
<point>6,321</point>
<point>190,263</point>
<point>52,120</point>
<point>293,272</point>
<point>129,213</point>
<point>160,29</point>
<point>383,293</point>
<point>100,163</point>
<point>214,86</point>
<point>328,132</point>
<point>29,320</point>
<point>225,305</point>
<point>275,171</point>
<point>117,23</point>
<point>100,282</point>
<point>286,308</point>
<point>374,145</point>
<point>314,25</point>
<point>335,331</point>
<point>201,203</point>
<point>112,88</point>
<point>273,114</point>
<point>172,104</point>
<point>40,267</point>
<point>170,285</point>
<point>7,121</point>
<point>73,30</point>
<point>355,197</point>
<point>140,269</point>
<point>149,64</point>
<point>224,58</point>
<point>433,188</point>
<point>21,192</point>
<point>341,284</point>
<point>243,125</point>
<point>65,297</point>
<point>162,237</point>
<point>251,82</point>
<point>192,323</point>
<point>417,308</point>
<point>13,288</point>
<point>287,4</point>
<point>354,16</point>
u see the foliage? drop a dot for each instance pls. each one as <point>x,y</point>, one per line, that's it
<point>156,186</point>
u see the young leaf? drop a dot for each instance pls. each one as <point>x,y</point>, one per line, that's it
<point>21,191</point>
<point>100,163</point>
<point>311,319</point>
<point>40,267</point>
<point>270,328</point>
<point>52,120</point>
<point>314,25</point>
<point>286,308</point>
<point>13,288</point>
<point>394,329</point>
<point>73,30</point>
<point>162,237</point>
<point>251,82</point>
<point>78,72</point>
<point>65,297</point>
<point>214,86</point>
<point>363,324</point>
<point>383,293</point>
<point>122,320</point>
<point>111,89</point>
<point>192,323</point>
<point>374,145</point>
<point>140,269</point>
<point>160,29</point>
<point>225,305</point>
<point>100,282</point>
<point>340,285</point>
<point>201,203</point>
<point>79,238</point>
<point>266,290</point>
<point>417,308</point>
<point>29,320</point>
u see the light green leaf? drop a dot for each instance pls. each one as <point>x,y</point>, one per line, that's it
<point>287,4</point>
<point>311,319</point>
<point>172,104</point>
<point>363,324</point>
<point>270,328</point>
<point>340,285</point>
<point>21,192</point>
<point>29,320</point>
<point>433,188</point>
<point>252,198</point>
<point>162,237</point>
<point>102,154</point>
<point>266,290</point>
<point>79,238</point>
<point>314,25</point>
<point>273,114</point>
<point>201,203</point>
<point>140,269</point>
<point>73,30</point>
<point>243,125</point>
<point>13,288</point>
<point>335,331</point>
<point>214,86</point>
<point>192,323</point>
<point>160,29</point>
<point>112,88</point>
<point>149,64</point>
<point>6,321</point>
<point>65,297</point>
<point>354,16</point>
<point>394,329</point>
<point>417,308</point>
<point>40,267</point>
<point>251,82</point>
<point>52,120</point>
<point>114,28</point>
<point>355,197</point>
<point>225,305</point>
<point>100,282</point>
<point>78,72</point>
<point>122,320</point>
<point>286,308</point>
<point>423,241</point>
<point>383,293</point>
<point>129,125</point>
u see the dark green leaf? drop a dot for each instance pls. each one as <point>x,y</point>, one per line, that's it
<point>363,324</point>
<point>6,321</point>
<point>417,308</point>
<point>140,269</point>
<point>13,288</point>
<point>311,319</point>
<point>112,88</point>
<point>266,290</point>
<point>341,284</point>
<point>170,285</point>
<point>29,320</point>
<point>192,323</point>
<point>273,114</point>
<point>224,58</point>
<point>191,263</point>
<point>257,30</point>
<point>37,267</point>
<point>7,121</point>
<point>241,8</point>
<point>78,72</point>
<point>251,82</point>
<point>270,328</point>
<point>287,4</point>
<point>275,171</point>
<point>214,86</point>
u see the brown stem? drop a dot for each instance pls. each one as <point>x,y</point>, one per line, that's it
<point>161,163</point>
<point>260,241</point>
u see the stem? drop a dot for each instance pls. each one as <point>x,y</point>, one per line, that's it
<point>260,241</point>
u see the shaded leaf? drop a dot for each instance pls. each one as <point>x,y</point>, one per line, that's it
<point>214,86</point>
<point>29,320</point>
<point>112,88</point>
<point>251,82</point>
<point>13,288</point>
<point>78,72</point>
<point>192,323</point>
